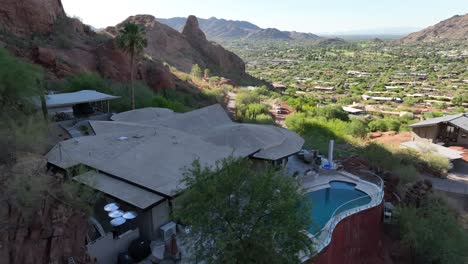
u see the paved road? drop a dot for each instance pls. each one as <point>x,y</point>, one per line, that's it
<point>456,182</point>
<point>231,106</point>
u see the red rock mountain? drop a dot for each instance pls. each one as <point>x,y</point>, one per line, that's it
<point>183,50</point>
<point>454,28</point>
<point>40,31</point>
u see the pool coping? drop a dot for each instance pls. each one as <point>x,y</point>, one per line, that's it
<point>319,182</point>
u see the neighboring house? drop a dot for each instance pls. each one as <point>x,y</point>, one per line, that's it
<point>324,88</point>
<point>381,99</point>
<point>450,130</point>
<point>139,158</point>
<point>279,86</point>
<point>84,102</point>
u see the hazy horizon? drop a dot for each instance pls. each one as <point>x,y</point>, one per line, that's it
<point>315,16</point>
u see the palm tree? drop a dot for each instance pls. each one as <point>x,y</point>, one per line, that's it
<point>132,40</point>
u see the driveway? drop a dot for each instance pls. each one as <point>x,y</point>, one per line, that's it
<point>456,181</point>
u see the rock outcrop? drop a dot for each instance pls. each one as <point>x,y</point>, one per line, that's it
<point>184,50</point>
<point>454,28</point>
<point>51,232</point>
<point>216,57</point>
<point>30,16</point>
<point>40,31</point>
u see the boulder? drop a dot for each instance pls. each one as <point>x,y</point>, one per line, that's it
<point>24,17</point>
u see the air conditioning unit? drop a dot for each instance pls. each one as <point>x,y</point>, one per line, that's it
<point>168,230</point>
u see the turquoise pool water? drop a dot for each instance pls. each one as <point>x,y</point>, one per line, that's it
<point>325,202</point>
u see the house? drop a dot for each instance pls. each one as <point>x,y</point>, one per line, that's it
<point>138,160</point>
<point>382,99</point>
<point>279,86</point>
<point>80,103</point>
<point>450,130</point>
<point>324,88</point>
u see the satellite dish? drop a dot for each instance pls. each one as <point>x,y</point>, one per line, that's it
<point>115,214</point>
<point>130,215</point>
<point>111,207</point>
<point>118,221</point>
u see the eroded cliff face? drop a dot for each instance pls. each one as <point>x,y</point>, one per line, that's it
<point>40,31</point>
<point>183,50</point>
<point>48,232</point>
<point>30,16</point>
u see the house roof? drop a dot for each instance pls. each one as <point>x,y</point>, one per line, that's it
<point>352,109</point>
<point>426,147</point>
<point>153,158</point>
<point>459,120</point>
<point>69,99</point>
<point>143,115</point>
<point>153,152</point>
<point>124,191</point>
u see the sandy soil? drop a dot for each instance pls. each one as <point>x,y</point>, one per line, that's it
<point>393,138</point>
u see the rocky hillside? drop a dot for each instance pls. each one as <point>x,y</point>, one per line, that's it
<point>65,46</point>
<point>454,28</point>
<point>183,50</point>
<point>222,29</point>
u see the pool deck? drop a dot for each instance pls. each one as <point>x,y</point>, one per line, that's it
<point>313,181</point>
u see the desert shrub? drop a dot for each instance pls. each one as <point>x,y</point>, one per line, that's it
<point>357,128</point>
<point>27,189</point>
<point>245,98</point>
<point>384,124</point>
<point>433,114</point>
<point>216,95</point>
<point>160,101</point>
<point>432,233</point>
<point>196,72</point>
<point>264,119</point>
<point>435,164</point>
<point>407,173</point>
<point>331,112</point>
<point>19,83</point>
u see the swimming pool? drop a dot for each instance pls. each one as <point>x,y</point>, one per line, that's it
<point>326,201</point>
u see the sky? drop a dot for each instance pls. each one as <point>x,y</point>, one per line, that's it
<point>315,16</point>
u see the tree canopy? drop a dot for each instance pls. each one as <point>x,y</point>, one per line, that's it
<point>241,215</point>
<point>432,233</point>
<point>132,40</point>
<point>19,82</point>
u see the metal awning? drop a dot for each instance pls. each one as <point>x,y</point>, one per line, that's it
<point>70,99</point>
<point>121,190</point>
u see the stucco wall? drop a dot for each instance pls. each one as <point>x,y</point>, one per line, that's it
<point>161,216</point>
<point>356,239</point>
<point>106,249</point>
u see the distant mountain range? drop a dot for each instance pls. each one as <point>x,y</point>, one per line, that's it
<point>222,29</point>
<point>454,28</point>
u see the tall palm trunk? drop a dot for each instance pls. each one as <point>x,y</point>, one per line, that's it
<point>131,80</point>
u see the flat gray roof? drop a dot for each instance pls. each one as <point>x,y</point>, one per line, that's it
<point>154,158</point>
<point>124,191</point>
<point>69,99</point>
<point>460,120</point>
<point>426,147</point>
<point>154,151</point>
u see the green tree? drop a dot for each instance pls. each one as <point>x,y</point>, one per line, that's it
<point>331,112</point>
<point>432,233</point>
<point>19,83</point>
<point>132,40</point>
<point>207,73</point>
<point>196,72</point>
<point>238,214</point>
